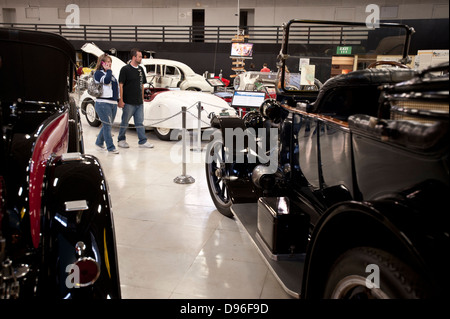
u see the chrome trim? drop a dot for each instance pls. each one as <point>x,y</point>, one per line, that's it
<point>71,157</point>
<point>76,205</point>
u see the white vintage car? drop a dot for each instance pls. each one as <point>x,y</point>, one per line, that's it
<point>163,73</point>
<point>162,107</point>
<point>247,81</point>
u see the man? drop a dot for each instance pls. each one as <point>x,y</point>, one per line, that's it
<point>131,83</point>
<point>265,68</point>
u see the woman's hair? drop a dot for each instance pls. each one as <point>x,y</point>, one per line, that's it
<point>103,58</point>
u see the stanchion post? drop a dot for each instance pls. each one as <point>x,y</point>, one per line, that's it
<point>199,128</point>
<point>183,178</point>
<point>199,132</point>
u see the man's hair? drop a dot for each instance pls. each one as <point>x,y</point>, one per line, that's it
<point>134,52</point>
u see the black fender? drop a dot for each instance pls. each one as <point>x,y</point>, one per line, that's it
<point>77,225</point>
<point>413,226</point>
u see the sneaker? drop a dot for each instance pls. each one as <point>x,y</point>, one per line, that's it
<point>100,148</point>
<point>114,151</point>
<point>146,145</point>
<point>123,144</point>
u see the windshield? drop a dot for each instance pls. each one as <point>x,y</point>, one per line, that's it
<point>314,51</point>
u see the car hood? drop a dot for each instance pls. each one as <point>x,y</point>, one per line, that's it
<point>35,66</point>
<point>117,63</point>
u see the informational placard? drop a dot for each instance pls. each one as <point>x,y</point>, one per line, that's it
<point>215,82</point>
<point>303,62</point>
<point>429,58</point>
<point>248,99</point>
<point>308,73</point>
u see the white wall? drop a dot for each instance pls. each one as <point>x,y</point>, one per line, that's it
<point>219,12</point>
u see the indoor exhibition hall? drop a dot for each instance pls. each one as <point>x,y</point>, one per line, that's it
<point>241,150</point>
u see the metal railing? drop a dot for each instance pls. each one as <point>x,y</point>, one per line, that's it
<point>207,34</point>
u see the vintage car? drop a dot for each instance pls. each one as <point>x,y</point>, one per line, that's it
<point>163,110</point>
<point>56,227</point>
<point>344,190</point>
<point>266,81</point>
<point>163,73</point>
<point>162,107</point>
<point>253,81</point>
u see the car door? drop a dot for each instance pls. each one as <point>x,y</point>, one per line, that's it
<point>334,142</point>
<point>171,77</point>
<point>154,74</point>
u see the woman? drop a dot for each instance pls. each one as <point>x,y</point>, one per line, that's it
<point>106,105</point>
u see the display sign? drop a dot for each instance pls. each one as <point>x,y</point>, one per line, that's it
<point>215,82</point>
<point>344,50</point>
<point>248,99</point>
<point>242,50</point>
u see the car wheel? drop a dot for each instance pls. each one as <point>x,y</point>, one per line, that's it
<point>163,133</point>
<point>215,177</point>
<point>91,114</point>
<point>371,273</point>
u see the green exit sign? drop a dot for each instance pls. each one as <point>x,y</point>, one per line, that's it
<point>344,50</point>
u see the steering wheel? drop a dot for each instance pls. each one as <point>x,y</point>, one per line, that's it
<point>393,63</point>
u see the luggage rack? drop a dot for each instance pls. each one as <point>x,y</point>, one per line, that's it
<point>287,270</point>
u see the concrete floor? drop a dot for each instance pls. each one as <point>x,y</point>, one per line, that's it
<point>171,240</point>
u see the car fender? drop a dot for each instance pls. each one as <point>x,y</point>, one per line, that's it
<point>392,225</point>
<point>165,109</point>
<point>198,82</point>
<point>160,114</point>
<point>77,211</point>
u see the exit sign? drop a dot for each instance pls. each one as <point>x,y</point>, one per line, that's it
<point>344,50</point>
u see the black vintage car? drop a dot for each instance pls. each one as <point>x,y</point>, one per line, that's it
<point>57,235</point>
<point>343,189</point>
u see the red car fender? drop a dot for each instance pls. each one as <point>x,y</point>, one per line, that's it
<point>53,139</point>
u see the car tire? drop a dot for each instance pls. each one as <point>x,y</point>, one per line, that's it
<point>352,273</point>
<point>215,174</point>
<point>90,113</point>
<point>163,133</point>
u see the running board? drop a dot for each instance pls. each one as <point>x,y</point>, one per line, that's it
<point>288,271</point>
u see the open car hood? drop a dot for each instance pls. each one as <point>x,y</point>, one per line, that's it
<point>35,66</point>
<point>117,63</point>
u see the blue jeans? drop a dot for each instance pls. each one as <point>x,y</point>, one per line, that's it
<point>136,111</point>
<point>106,113</point>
